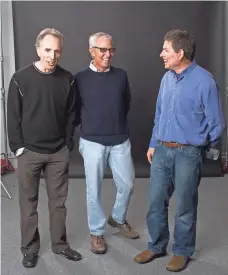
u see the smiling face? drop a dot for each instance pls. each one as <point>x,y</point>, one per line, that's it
<point>49,51</point>
<point>172,60</point>
<point>102,53</point>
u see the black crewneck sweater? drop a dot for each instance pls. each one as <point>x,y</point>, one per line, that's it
<point>41,110</point>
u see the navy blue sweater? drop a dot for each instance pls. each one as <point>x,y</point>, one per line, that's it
<point>104,104</point>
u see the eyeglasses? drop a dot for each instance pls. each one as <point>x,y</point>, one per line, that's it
<point>104,50</point>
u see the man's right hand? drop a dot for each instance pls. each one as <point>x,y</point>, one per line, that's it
<point>149,154</point>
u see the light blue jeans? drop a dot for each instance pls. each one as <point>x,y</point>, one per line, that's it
<point>96,157</point>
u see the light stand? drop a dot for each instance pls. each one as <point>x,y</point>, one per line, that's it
<point>3,101</point>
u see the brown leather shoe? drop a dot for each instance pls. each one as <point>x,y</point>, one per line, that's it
<point>125,228</point>
<point>177,263</point>
<point>147,256</point>
<point>98,245</point>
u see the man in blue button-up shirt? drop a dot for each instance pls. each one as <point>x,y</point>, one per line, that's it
<point>188,119</point>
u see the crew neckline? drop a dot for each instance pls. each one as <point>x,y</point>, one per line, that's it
<point>38,70</point>
<point>100,73</point>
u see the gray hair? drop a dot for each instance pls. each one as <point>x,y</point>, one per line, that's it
<point>49,31</point>
<point>93,38</point>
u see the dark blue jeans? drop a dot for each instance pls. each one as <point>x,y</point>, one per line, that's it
<point>172,169</point>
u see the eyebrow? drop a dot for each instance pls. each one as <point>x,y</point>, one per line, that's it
<point>48,49</point>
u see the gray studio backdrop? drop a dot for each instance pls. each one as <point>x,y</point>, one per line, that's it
<point>138,29</point>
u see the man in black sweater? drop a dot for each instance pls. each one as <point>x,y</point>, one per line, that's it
<point>41,120</point>
<point>105,99</point>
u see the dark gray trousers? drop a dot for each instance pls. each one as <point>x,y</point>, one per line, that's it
<point>55,169</point>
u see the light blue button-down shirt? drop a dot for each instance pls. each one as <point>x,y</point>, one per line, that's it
<point>188,109</point>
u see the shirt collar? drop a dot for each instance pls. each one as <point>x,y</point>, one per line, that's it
<point>94,68</point>
<point>185,71</point>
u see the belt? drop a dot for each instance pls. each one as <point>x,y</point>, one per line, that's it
<point>173,144</point>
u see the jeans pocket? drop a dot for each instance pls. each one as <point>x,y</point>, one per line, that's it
<point>159,144</point>
<point>25,151</point>
<point>191,151</point>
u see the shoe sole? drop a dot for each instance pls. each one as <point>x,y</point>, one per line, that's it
<point>177,270</point>
<point>116,226</point>
<point>153,258</point>
<point>180,269</point>
<point>72,259</point>
<point>131,238</point>
<point>29,266</point>
<point>98,252</point>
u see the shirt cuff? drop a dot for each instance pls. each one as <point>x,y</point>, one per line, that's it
<point>153,143</point>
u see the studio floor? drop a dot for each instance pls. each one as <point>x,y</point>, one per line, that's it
<point>210,258</point>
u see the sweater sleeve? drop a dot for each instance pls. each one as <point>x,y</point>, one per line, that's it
<point>78,104</point>
<point>71,115</point>
<point>127,95</point>
<point>14,116</point>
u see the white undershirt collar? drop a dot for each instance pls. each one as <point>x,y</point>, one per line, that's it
<point>94,68</point>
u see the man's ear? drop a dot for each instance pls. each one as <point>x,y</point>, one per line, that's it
<point>181,54</point>
<point>91,51</point>
<point>38,51</point>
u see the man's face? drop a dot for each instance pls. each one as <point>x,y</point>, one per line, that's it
<point>102,54</point>
<point>49,52</point>
<point>171,59</point>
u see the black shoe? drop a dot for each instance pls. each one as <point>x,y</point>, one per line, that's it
<point>70,254</point>
<point>29,260</point>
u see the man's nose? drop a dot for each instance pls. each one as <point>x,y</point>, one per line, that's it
<point>107,54</point>
<point>52,55</point>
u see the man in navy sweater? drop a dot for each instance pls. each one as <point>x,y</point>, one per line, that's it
<point>105,100</point>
